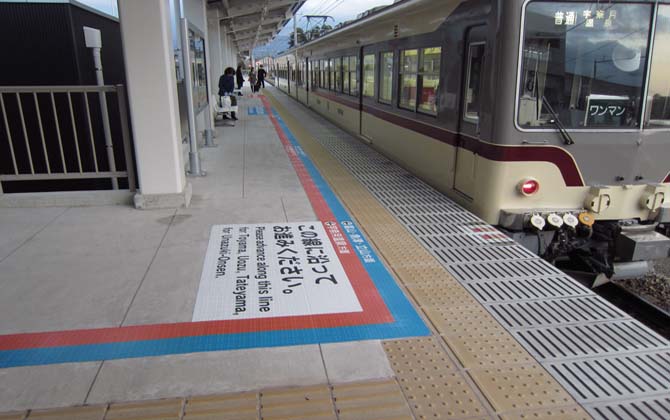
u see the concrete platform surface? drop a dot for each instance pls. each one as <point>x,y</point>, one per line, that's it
<point>97,267</point>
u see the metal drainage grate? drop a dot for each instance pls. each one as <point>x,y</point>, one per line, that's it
<point>438,229</point>
<point>484,253</point>
<point>438,208</point>
<point>643,408</point>
<point>588,340</point>
<point>554,312</point>
<point>526,289</point>
<point>500,270</point>
<point>615,377</point>
<point>436,218</point>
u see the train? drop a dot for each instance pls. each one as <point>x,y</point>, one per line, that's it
<point>548,119</point>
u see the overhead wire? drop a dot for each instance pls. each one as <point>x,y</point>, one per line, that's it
<point>323,6</point>
<point>337,4</point>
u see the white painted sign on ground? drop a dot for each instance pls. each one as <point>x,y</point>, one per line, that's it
<point>272,270</point>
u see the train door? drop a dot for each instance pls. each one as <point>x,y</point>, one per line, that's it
<point>466,164</point>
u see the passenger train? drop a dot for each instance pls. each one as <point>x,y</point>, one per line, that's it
<point>549,119</point>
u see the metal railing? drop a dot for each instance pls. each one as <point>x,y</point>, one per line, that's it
<point>66,133</point>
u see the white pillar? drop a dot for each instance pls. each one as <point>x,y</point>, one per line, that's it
<point>152,95</point>
<point>215,59</point>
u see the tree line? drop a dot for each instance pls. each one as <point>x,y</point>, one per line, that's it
<point>310,35</point>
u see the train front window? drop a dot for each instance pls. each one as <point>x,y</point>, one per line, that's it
<point>583,63</point>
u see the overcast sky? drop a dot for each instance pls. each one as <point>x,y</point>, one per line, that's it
<point>340,10</point>
<point>107,6</point>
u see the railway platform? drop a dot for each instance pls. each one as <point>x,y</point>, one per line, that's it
<point>311,278</point>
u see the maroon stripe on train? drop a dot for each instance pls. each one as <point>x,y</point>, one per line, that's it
<point>559,157</point>
<point>336,98</point>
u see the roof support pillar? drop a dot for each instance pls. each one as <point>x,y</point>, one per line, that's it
<point>152,96</point>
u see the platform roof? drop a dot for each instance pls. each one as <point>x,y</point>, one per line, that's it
<point>255,22</point>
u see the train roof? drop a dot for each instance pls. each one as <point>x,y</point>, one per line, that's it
<point>401,19</point>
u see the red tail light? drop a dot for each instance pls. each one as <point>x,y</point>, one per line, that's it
<point>529,187</point>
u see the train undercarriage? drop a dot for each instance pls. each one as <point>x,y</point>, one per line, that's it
<point>609,250</point>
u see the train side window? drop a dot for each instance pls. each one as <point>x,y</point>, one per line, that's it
<point>304,73</point>
<point>353,75</point>
<point>369,75</point>
<point>331,68</point>
<point>473,84</point>
<point>324,74</point>
<point>345,75</point>
<point>386,77</point>
<point>658,105</point>
<point>338,74</point>
<point>429,79</point>
<point>409,66</point>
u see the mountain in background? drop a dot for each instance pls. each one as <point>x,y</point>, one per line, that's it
<point>278,44</point>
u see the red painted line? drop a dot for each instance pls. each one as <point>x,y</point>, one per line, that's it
<point>374,308</point>
<point>360,280</point>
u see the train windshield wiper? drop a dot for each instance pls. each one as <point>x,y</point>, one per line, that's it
<point>567,139</point>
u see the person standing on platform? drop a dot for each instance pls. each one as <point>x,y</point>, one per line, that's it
<point>261,76</point>
<point>227,88</point>
<point>252,79</point>
<point>240,79</point>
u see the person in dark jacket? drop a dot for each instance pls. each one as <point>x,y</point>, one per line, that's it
<point>227,85</point>
<point>261,76</point>
<point>240,79</point>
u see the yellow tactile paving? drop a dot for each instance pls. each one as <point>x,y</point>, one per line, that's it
<point>444,293</point>
<point>419,356</point>
<point>73,413</point>
<point>457,320</point>
<point>561,413</point>
<point>222,407</point>
<point>472,333</point>
<point>525,387</point>
<point>481,349</point>
<point>371,401</point>
<point>298,403</point>
<point>434,389</point>
<point>169,409</point>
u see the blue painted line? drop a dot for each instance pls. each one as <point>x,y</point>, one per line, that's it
<point>407,322</point>
<point>256,110</point>
<point>401,309</point>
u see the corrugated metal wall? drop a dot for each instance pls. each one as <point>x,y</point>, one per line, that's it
<point>36,45</point>
<point>43,44</point>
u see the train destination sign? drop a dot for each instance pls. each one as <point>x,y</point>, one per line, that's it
<point>273,270</point>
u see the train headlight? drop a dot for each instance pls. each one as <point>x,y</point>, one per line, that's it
<point>529,187</point>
